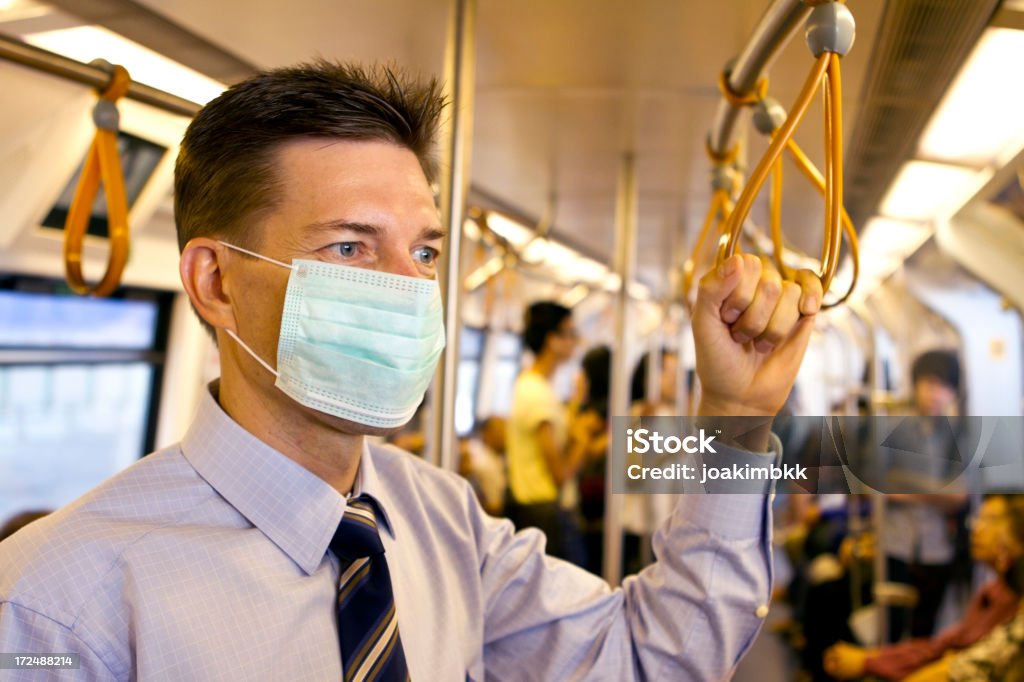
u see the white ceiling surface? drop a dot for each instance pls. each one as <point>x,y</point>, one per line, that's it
<point>563,88</point>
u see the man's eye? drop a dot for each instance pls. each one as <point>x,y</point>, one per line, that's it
<point>347,249</point>
<point>425,255</point>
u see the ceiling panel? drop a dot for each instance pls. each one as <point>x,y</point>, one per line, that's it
<point>563,90</point>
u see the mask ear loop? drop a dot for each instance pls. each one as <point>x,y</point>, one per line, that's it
<point>257,255</point>
<point>250,352</point>
<point>231,333</point>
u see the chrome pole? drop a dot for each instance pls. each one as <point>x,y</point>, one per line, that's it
<point>618,406</point>
<point>22,53</point>
<point>780,21</point>
<point>456,142</point>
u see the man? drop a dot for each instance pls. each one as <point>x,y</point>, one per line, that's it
<point>273,542</point>
<point>993,543</point>
<point>543,456</point>
<point>919,545</point>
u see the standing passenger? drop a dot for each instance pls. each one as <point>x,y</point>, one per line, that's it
<point>543,455</point>
<point>920,533</point>
<point>275,543</point>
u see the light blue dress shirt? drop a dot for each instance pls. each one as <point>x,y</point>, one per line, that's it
<point>208,561</point>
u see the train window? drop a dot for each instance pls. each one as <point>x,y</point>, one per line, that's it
<point>32,320</point>
<point>471,347</point>
<point>502,361</point>
<point>139,158</point>
<point>79,386</point>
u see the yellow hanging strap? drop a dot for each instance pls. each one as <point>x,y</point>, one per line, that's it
<point>764,166</point>
<point>718,213</point>
<point>807,167</point>
<point>830,35</point>
<point>101,163</point>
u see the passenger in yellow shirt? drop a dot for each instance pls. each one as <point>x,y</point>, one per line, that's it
<point>546,447</point>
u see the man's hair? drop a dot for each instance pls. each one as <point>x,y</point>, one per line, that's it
<point>638,381</point>
<point>542,318</point>
<point>225,173</point>
<point>597,367</point>
<point>942,365</point>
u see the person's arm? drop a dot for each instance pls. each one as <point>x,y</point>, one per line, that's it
<point>565,465</point>
<point>695,612</point>
<point>933,672</point>
<point>27,632</point>
<point>691,615</point>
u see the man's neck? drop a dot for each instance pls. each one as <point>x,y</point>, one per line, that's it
<point>331,455</point>
<point>545,365</point>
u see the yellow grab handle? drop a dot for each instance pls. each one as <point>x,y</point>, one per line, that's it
<point>103,163</point>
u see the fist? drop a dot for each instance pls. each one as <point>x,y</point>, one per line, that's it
<point>751,330</point>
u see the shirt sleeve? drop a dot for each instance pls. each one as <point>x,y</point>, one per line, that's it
<point>689,616</point>
<point>26,632</point>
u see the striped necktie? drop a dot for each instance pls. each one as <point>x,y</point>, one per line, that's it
<point>371,649</point>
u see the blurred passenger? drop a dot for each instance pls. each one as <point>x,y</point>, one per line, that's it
<point>594,388</point>
<point>19,521</point>
<point>643,512</point>
<point>997,656</point>
<point>646,404</point>
<point>833,571</point>
<point>920,537</point>
<point>483,464</point>
<point>994,542</point>
<point>544,456</point>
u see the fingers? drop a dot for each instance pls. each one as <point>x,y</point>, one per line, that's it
<point>783,318</point>
<point>737,303</point>
<point>755,303</point>
<point>750,317</point>
<point>811,294</point>
<point>719,283</point>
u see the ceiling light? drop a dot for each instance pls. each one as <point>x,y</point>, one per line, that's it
<point>471,230</point>
<point>927,191</point>
<point>86,43</point>
<point>893,239</point>
<point>978,122</point>
<point>482,274</point>
<point>514,233</point>
<point>589,270</point>
<point>536,251</point>
<point>575,295</point>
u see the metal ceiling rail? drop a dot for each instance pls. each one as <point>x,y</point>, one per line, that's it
<point>22,53</point>
<point>776,27</point>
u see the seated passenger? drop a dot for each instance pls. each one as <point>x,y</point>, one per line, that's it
<point>482,463</point>
<point>996,541</point>
<point>274,542</point>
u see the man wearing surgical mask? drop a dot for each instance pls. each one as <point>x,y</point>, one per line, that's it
<point>274,542</point>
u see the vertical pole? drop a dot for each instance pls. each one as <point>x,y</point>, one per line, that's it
<point>456,143</point>
<point>624,265</point>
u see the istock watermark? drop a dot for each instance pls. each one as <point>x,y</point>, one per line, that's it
<point>818,455</point>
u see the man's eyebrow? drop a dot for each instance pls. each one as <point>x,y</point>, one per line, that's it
<point>335,225</point>
<point>426,234</point>
<point>429,234</point>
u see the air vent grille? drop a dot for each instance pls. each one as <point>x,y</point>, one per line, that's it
<point>921,45</point>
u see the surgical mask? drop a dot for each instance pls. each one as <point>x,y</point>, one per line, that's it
<point>355,343</point>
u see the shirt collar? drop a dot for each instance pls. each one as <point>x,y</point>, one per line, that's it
<point>369,483</point>
<point>293,507</point>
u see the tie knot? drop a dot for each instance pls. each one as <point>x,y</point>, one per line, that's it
<point>357,535</point>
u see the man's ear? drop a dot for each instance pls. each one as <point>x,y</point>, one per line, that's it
<point>202,275</point>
